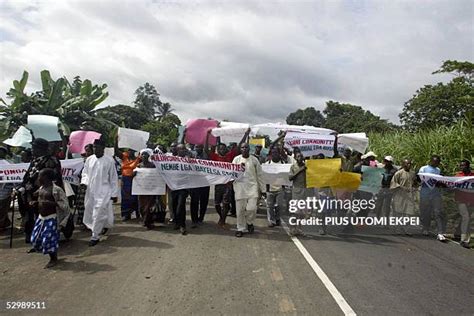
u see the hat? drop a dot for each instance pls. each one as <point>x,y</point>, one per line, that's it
<point>40,142</point>
<point>369,154</point>
<point>388,158</point>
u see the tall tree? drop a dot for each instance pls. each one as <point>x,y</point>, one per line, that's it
<point>148,100</point>
<point>348,118</point>
<point>124,116</point>
<point>308,116</point>
<point>163,132</point>
<point>442,104</point>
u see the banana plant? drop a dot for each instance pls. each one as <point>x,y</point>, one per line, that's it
<point>73,102</point>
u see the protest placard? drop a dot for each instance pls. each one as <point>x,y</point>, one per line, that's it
<point>257,141</point>
<point>322,173</point>
<point>44,126</point>
<point>348,181</point>
<point>276,174</point>
<point>311,144</point>
<point>355,141</point>
<point>371,179</point>
<point>230,132</point>
<point>132,138</point>
<point>148,181</point>
<point>14,173</point>
<point>196,131</point>
<point>21,138</point>
<point>79,139</point>
<point>186,173</point>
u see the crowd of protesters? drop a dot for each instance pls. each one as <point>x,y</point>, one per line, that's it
<point>46,210</point>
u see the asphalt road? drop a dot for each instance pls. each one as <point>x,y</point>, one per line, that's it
<point>211,272</point>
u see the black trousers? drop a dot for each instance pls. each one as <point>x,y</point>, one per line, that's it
<point>199,201</point>
<point>30,218</point>
<point>178,198</point>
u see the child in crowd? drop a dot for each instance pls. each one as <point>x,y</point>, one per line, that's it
<point>53,211</point>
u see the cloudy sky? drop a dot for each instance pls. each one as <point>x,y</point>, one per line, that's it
<point>244,61</point>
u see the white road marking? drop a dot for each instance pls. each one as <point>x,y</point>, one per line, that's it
<point>343,305</point>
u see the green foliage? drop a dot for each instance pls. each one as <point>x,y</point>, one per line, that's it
<point>164,110</point>
<point>165,131</point>
<point>124,116</point>
<point>457,68</point>
<point>451,143</point>
<point>442,104</point>
<point>348,118</point>
<point>148,101</point>
<point>341,117</point>
<point>308,116</point>
<point>72,103</point>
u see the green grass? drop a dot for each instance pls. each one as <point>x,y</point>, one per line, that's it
<point>451,143</point>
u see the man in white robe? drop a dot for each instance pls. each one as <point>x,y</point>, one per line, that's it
<point>100,177</point>
<point>247,190</point>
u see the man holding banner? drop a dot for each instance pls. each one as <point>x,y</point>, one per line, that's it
<point>402,187</point>
<point>299,190</point>
<point>146,202</point>
<point>275,194</point>
<point>431,202</point>
<point>247,190</point>
<point>199,196</point>
<point>223,192</point>
<point>465,201</point>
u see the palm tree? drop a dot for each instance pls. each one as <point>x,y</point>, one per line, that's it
<point>164,110</point>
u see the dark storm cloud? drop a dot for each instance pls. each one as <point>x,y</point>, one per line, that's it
<point>241,61</point>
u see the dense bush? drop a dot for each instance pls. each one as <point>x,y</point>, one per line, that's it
<point>451,143</point>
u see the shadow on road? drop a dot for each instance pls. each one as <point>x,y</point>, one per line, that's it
<point>82,267</point>
<point>121,241</point>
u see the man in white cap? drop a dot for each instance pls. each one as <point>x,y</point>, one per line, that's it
<point>247,190</point>
<point>384,197</point>
<point>100,178</point>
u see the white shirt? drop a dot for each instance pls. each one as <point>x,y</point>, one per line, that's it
<point>251,183</point>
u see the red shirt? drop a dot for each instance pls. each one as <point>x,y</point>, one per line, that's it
<point>226,158</point>
<point>464,196</point>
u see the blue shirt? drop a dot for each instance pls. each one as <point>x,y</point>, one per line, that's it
<point>425,190</point>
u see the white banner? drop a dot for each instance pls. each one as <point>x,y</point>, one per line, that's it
<point>14,173</point>
<point>148,181</point>
<point>276,174</point>
<point>272,129</point>
<point>186,173</point>
<point>132,138</point>
<point>461,183</point>
<point>311,144</point>
<point>230,131</point>
<point>356,141</point>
